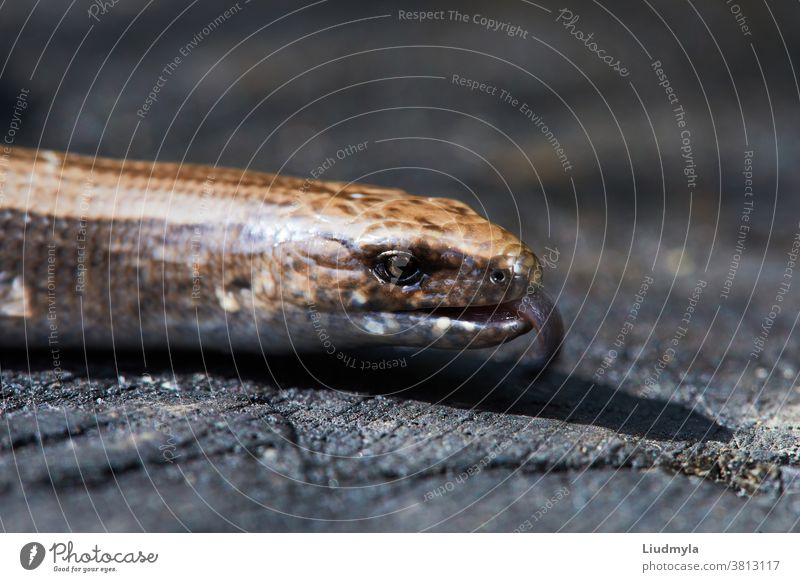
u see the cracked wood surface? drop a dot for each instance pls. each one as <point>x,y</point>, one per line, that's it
<point>212,451</point>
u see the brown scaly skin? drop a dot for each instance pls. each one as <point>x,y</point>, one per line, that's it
<point>101,253</point>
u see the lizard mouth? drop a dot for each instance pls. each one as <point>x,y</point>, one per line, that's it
<point>469,326</point>
<point>482,314</point>
<point>487,325</point>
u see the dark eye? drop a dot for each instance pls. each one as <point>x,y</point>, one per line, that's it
<point>398,267</point>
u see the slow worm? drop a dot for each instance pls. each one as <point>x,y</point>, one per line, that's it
<point>100,252</point>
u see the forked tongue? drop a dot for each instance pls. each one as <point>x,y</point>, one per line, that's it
<point>539,310</point>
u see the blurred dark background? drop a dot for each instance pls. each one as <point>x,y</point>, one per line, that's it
<point>280,86</point>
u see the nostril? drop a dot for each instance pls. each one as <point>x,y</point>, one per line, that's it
<point>498,276</point>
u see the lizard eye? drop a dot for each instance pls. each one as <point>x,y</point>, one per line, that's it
<point>398,267</point>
